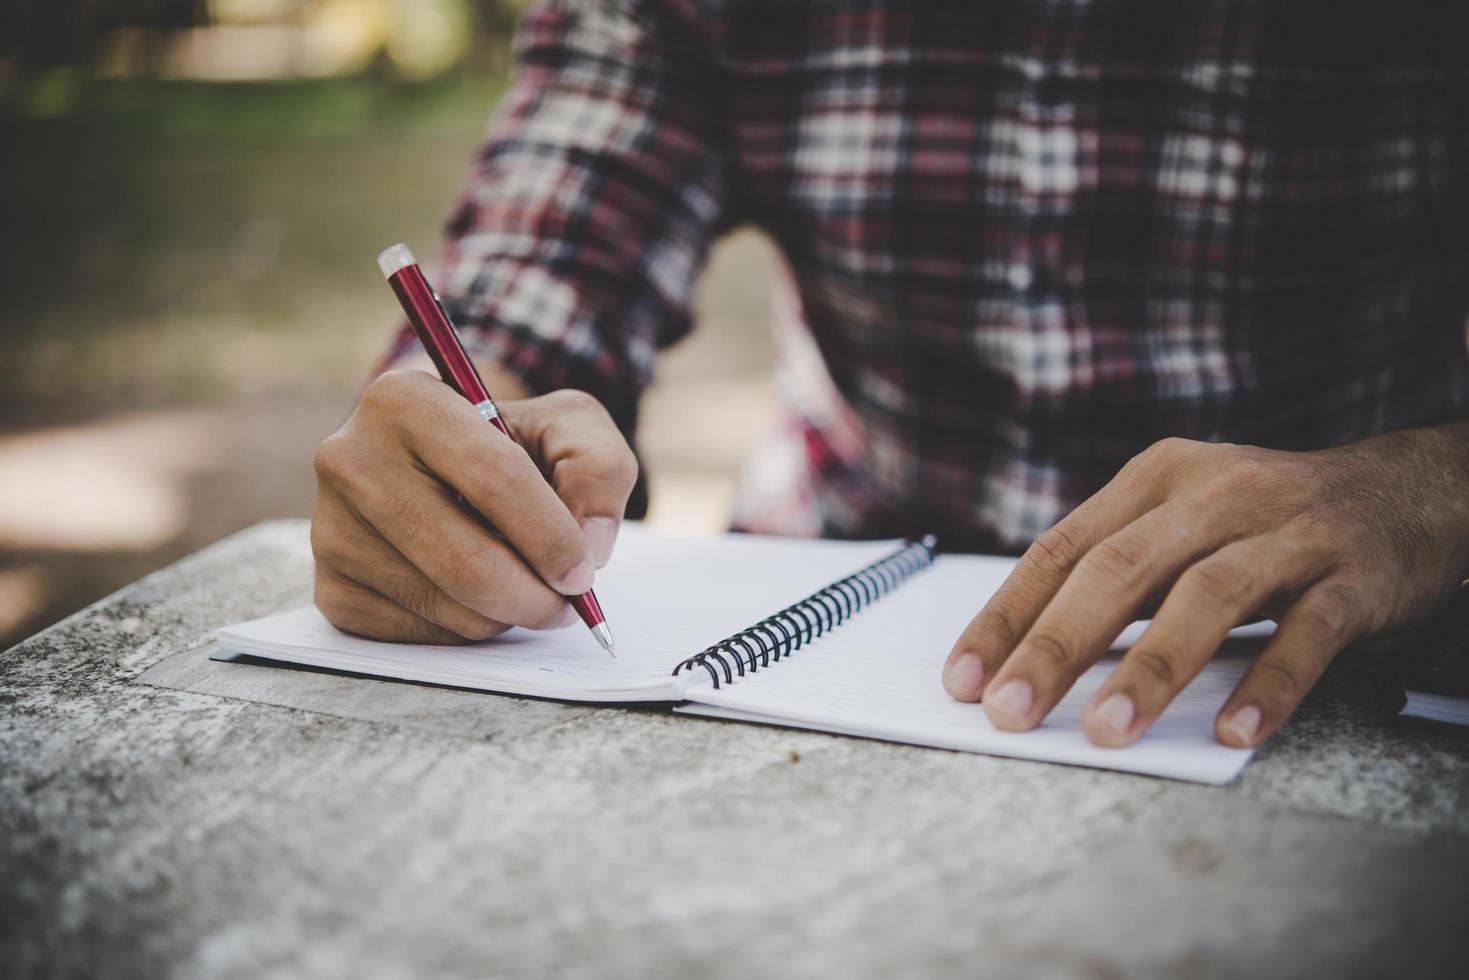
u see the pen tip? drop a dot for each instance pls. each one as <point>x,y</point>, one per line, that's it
<point>604,639</point>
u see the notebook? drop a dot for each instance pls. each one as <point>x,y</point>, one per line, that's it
<point>1436,684</point>
<point>838,636</point>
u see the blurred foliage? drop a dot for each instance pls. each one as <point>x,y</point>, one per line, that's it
<point>419,38</point>
<point>175,240</point>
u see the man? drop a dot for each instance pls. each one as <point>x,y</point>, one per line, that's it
<point>1137,285</point>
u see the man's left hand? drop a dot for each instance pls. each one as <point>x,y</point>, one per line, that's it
<point>1335,546</point>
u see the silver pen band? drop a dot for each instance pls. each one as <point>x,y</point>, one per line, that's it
<point>487,410</point>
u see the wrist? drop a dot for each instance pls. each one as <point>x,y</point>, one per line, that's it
<point>1429,483</point>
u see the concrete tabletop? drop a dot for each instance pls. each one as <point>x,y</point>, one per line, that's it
<point>164,815</point>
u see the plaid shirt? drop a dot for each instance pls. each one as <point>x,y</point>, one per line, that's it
<point>1025,239</point>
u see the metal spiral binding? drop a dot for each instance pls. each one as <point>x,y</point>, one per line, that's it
<point>787,631</point>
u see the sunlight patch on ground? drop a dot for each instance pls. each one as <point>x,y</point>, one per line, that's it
<point>114,485</point>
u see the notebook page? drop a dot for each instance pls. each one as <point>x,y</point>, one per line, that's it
<point>666,598</point>
<point>879,676</point>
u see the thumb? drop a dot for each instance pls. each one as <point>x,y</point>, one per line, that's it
<point>590,465</point>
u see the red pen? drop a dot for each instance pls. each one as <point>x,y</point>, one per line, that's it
<point>432,325</point>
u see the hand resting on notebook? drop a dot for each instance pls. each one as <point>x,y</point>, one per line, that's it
<point>399,557</point>
<point>1336,546</point>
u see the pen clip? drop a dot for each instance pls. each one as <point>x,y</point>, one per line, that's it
<point>443,312</point>
<point>486,406</point>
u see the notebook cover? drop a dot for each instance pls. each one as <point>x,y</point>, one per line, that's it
<point>1436,658</point>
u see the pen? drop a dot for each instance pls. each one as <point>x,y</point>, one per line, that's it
<point>432,325</point>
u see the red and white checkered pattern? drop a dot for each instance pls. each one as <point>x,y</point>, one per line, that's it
<point>1028,238</point>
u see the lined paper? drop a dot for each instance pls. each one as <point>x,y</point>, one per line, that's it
<point>878,675</point>
<point>666,598</point>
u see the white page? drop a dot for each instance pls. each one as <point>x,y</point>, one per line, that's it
<point>666,598</point>
<point>879,676</point>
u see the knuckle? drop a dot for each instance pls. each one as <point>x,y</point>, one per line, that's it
<point>1315,528</point>
<point>1325,614</point>
<point>1156,665</point>
<point>431,604</point>
<point>572,400</point>
<point>566,401</point>
<point>328,546</point>
<point>478,629</point>
<point>624,467</point>
<point>1231,584</point>
<point>333,602</point>
<point>333,458</point>
<point>1120,560</point>
<point>1282,677</point>
<point>613,463</point>
<point>389,392</point>
<point>1055,552</point>
<point>565,549</point>
<point>1173,447</point>
<point>1048,651</point>
<point>347,471</point>
<point>417,596</point>
<point>465,573</point>
<point>1243,474</point>
<point>1167,452</point>
<point>997,621</point>
<point>1160,463</point>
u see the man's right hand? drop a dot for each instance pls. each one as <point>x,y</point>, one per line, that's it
<point>399,557</point>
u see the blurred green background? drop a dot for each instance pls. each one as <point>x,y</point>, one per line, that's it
<point>192,196</point>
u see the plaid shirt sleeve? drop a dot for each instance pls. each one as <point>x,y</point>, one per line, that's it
<point>590,206</point>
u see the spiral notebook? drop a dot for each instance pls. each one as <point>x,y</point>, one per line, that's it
<point>846,637</point>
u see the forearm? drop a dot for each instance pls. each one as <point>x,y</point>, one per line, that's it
<point>588,210</point>
<point>1430,469</point>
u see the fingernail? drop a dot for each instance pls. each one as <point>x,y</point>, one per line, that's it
<point>1244,725</point>
<point>1116,712</point>
<point>567,618</point>
<point>601,533</point>
<point>1013,700</point>
<point>965,676</point>
<point>578,580</point>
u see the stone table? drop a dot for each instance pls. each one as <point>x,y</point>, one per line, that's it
<point>163,815</point>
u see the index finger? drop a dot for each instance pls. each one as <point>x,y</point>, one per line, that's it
<point>590,465</point>
<point>498,478</point>
<point>1002,623</point>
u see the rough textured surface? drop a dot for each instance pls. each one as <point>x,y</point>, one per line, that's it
<point>148,831</point>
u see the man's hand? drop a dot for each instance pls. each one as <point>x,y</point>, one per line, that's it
<point>1335,546</point>
<point>399,557</point>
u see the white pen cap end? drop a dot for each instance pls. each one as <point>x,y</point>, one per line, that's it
<point>396,257</point>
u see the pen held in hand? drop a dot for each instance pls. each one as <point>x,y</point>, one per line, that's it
<point>432,325</point>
